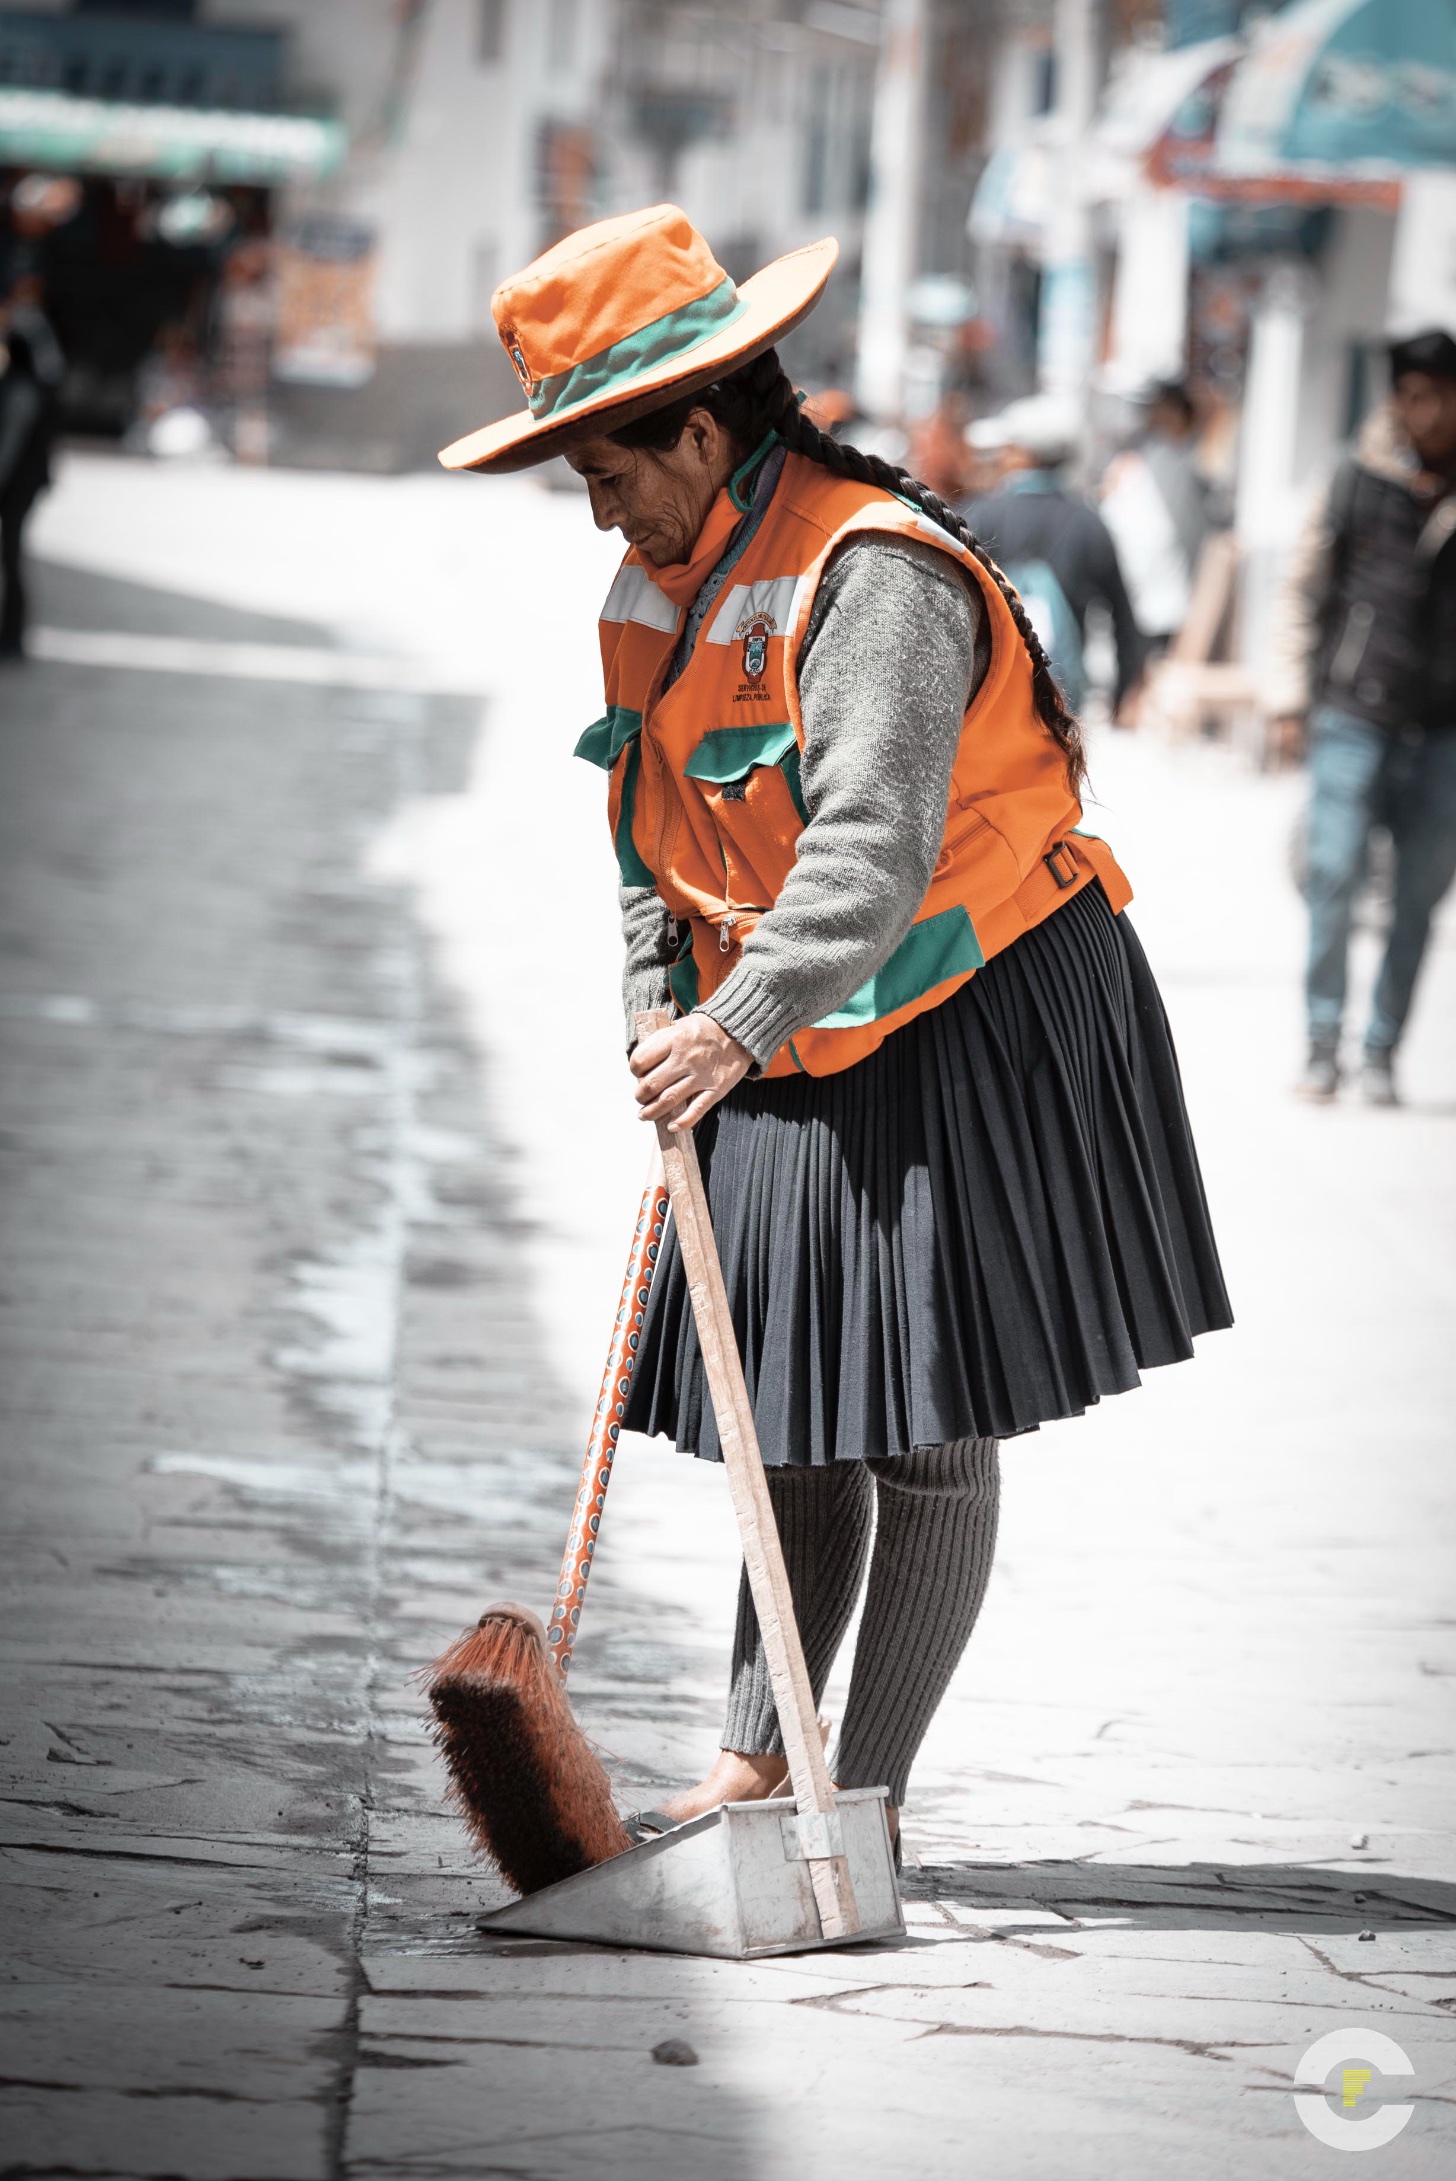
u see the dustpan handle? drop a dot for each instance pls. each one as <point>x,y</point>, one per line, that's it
<point>763,1554</point>
<point>606,1429</point>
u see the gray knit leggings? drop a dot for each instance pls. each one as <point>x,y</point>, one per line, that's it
<point>934,1538</point>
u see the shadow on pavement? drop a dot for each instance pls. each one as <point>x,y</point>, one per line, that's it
<point>1194,1896</point>
<point>79,598</point>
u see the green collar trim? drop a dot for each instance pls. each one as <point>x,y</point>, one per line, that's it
<point>744,479</point>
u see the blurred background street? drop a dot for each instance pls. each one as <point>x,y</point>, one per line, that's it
<point>318,1153</point>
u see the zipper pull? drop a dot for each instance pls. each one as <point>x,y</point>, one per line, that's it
<point>724,942</point>
<point>671,929</point>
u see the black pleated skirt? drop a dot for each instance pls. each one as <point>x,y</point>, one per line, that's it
<point>994,1220</point>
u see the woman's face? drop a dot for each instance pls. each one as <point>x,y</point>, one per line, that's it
<point>659,502</point>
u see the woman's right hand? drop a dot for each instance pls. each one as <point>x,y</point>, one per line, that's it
<point>684,1070</point>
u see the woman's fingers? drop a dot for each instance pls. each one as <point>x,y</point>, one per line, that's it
<point>650,1052</point>
<point>702,1105</point>
<point>659,1109</point>
<point>669,1076</point>
<point>700,1087</point>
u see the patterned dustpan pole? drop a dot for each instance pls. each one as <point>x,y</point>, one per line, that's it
<point>606,1429</point>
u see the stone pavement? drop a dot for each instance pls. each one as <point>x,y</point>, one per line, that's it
<point>295,1368</point>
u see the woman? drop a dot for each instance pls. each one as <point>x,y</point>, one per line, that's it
<point>939,1113</point>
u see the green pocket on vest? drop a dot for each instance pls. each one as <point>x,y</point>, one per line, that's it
<point>730,752</point>
<point>726,756</point>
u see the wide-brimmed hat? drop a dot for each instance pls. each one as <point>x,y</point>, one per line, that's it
<point>626,315</point>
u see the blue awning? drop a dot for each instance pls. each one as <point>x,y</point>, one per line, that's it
<point>1342,83</point>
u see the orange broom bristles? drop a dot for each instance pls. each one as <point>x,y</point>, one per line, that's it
<point>533,1793</point>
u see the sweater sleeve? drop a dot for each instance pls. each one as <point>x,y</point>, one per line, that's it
<point>897,645</point>
<point>645,932</point>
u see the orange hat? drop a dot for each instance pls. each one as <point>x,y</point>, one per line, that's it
<point>622,317</point>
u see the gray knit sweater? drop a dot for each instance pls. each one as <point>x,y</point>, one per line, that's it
<point>897,643</point>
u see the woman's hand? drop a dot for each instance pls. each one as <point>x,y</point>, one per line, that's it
<point>684,1070</point>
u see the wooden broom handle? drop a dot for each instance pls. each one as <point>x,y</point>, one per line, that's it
<point>763,1554</point>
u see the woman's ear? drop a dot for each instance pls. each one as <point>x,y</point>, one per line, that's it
<point>709,443</point>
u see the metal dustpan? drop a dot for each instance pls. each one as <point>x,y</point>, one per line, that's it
<point>748,1878</point>
<point>735,1883</point>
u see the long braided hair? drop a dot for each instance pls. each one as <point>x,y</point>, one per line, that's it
<point>761,398</point>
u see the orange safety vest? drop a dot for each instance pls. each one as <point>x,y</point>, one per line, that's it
<point>705,802</point>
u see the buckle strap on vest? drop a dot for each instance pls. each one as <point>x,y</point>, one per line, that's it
<point>1061,861</point>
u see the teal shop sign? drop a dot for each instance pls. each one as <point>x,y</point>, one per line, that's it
<point>173,143</point>
<point>1344,83</point>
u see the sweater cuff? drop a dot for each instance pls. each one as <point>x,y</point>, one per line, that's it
<point>643,990</point>
<point>746,1006</point>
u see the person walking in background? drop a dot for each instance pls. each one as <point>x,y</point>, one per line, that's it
<point>1170,449</point>
<point>1364,644</point>
<point>30,375</point>
<point>1056,549</point>
<point>1155,502</point>
<point>938,451</point>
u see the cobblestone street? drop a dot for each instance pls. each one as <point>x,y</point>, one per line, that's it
<point>317,1170</point>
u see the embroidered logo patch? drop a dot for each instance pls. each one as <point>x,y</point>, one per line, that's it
<point>755,633</point>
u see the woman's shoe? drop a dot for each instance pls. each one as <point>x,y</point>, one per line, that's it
<point>649,1825</point>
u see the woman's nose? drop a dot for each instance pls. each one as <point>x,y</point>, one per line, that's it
<point>605,512</point>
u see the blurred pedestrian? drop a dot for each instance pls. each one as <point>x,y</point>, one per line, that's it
<point>938,452</point>
<point>942,1133</point>
<point>247,315</point>
<point>1155,502</point>
<point>1054,547</point>
<point>30,377</point>
<point>1364,644</point>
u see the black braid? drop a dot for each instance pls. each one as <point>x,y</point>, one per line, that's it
<point>761,397</point>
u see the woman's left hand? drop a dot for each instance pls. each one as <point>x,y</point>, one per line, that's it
<point>684,1070</point>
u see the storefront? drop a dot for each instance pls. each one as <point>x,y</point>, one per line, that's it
<point>140,169</point>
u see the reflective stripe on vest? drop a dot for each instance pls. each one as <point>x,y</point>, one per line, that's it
<point>705,798</point>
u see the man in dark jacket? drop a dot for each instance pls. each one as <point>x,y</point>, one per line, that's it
<point>1365,642</point>
<point>30,373</point>
<point>1031,523</point>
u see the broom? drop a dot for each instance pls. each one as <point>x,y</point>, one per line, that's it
<point>533,1793</point>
